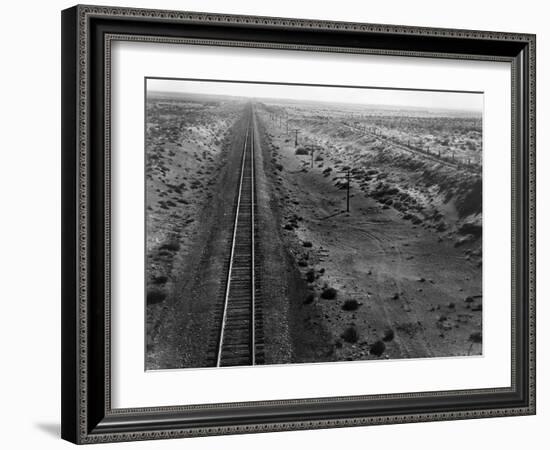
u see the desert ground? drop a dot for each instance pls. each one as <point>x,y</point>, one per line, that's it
<point>369,222</point>
<point>187,141</point>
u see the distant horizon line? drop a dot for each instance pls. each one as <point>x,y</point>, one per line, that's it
<point>281,83</point>
<point>293,100</point>
<point>173,90</point>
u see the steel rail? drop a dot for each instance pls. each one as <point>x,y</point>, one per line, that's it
<point>228,285</point>
<point>237,336</point>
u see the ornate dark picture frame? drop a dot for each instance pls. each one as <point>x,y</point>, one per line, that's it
<point>87,33</point>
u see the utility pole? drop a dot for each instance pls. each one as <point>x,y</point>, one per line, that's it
<point>348,176</point>
<point>347,199</point>
<point>296,137</point>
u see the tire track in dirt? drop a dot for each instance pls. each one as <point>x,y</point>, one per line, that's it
<point>392,308</point>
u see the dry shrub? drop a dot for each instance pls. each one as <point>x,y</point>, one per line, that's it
<point>329,293</point>
<point>172,246</point>
<point>378,348</point>
<point>350,335</point>
<point>350,305</point>
<point>155,295</point>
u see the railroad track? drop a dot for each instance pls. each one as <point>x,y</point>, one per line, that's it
<point>238,338</point>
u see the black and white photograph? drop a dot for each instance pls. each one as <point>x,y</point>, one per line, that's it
<point>280,220</point>
<point>292,223</point>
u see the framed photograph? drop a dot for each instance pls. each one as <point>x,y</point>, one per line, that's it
<point>281,224</point>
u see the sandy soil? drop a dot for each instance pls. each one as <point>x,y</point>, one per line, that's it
<point>406,277</point>
<point>290,336</point>
<point>189,158</point>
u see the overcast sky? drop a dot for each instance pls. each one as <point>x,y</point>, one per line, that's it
<point>370,96</point>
